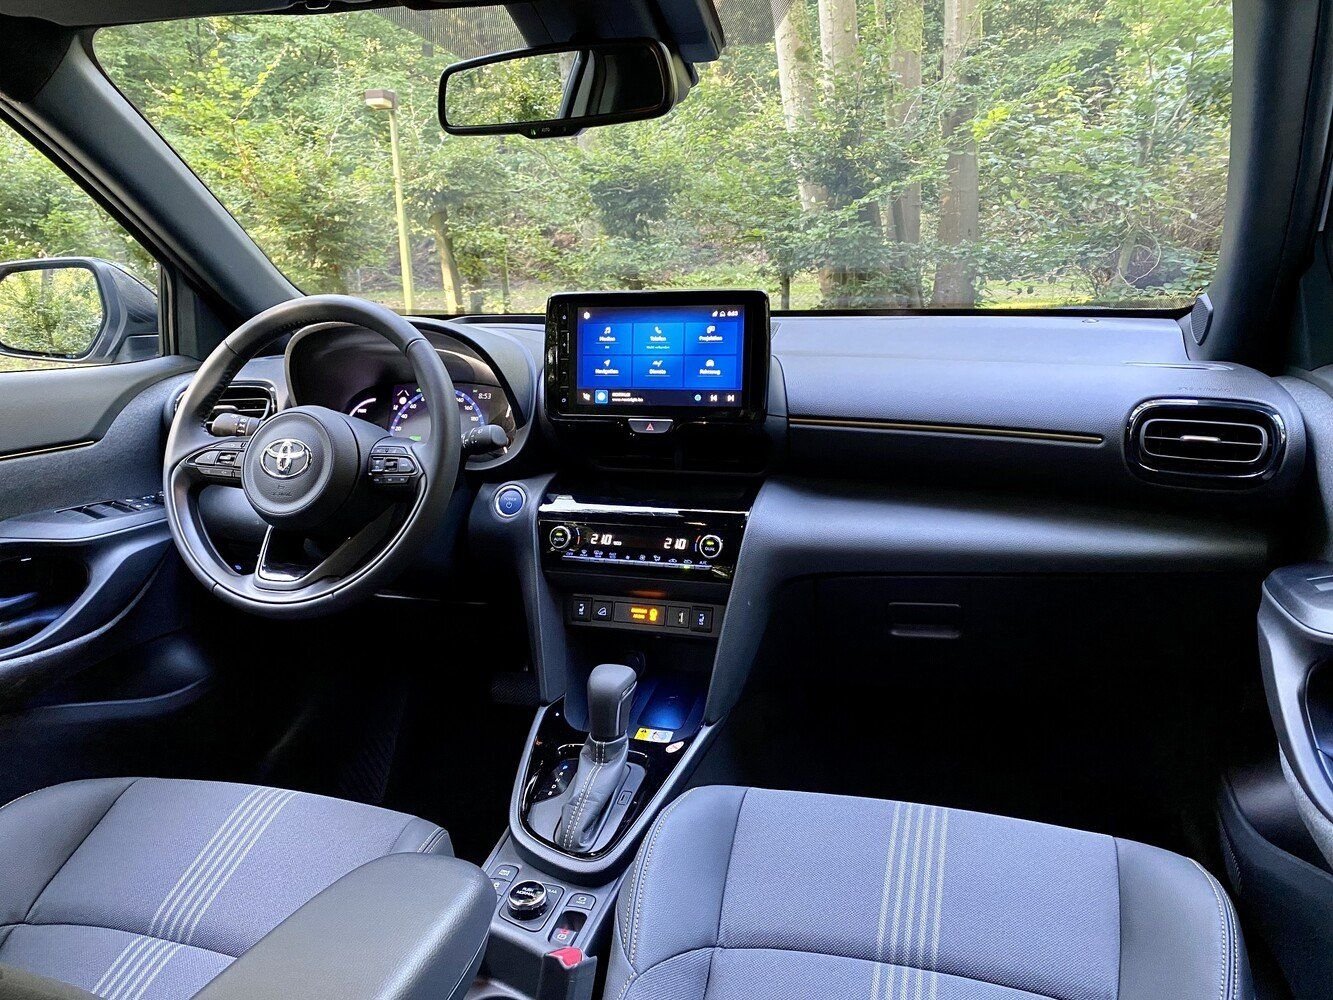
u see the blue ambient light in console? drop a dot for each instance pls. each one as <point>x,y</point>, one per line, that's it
<point>668,356</point>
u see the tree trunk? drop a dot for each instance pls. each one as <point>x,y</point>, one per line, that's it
<point>907,28</point>
<point>837,40</point>
<point>838,44</point>
<point>784,290</point>
<point>955,279</point>
<point>450,278</point>
<point>1125,258</point>
<point>794,82</point>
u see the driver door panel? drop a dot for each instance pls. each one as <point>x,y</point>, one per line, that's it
<point>89,582</point>
<point>80,528</point>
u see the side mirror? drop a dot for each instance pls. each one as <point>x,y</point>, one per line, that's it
<point>558,90</point>
<point>77,309</point>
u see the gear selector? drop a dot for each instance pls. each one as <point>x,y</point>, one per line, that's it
<point>604,760</point>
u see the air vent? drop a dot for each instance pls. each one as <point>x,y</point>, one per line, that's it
<point>248,399</point>
<point>1209,444</point>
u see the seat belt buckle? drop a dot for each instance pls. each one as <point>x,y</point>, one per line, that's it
<point>567,974</point>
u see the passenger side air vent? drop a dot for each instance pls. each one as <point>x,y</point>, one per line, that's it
<point>1205,443</point>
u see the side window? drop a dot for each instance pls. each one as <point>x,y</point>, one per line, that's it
<point>75,288</point>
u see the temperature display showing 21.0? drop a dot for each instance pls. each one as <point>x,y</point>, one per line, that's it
<point>609,539</point>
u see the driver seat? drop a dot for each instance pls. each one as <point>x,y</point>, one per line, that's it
<point>148,889</point>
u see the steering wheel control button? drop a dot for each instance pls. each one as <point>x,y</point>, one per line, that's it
<point>710,546</point>
<point>528,900</point>
<point>560,537</point>
<point>509,500</point>
<point>391,465</point>
<point>701,620</point>
<point>650,426</point>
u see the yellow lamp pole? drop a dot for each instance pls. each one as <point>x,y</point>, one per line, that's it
<point>387,100</point>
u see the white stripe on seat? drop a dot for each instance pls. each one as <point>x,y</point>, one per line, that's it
<point>188,901</point>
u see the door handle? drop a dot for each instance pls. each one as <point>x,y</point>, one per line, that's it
<point>18,604</point>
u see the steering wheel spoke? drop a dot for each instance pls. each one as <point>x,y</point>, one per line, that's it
<point>290,560</point>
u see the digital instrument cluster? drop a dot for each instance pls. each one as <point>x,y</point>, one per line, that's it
<point>401,409</point>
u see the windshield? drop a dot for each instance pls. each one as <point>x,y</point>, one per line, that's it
<point>842,154</point>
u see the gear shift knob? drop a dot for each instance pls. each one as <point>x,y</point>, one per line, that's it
<point>610,696</point>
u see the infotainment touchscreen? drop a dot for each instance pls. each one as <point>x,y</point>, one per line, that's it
<point>660,356</point>
<point>660,353</point>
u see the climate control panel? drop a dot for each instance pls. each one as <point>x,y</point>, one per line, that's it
<point>655,540</point>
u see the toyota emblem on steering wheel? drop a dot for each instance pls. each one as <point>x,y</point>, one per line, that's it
<point>285,458</point>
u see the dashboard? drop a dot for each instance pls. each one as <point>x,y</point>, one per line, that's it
<point>916,400</point>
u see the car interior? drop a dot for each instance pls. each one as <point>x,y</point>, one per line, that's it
<point>666,499</point>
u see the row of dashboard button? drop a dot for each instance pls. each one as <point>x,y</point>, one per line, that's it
<point>691,618</point>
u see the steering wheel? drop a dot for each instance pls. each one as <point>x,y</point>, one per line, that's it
<point>346,504</point>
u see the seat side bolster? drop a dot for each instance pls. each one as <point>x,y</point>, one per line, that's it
<point>420,836</point>
<point>1179,936</point>
<point>41,831</point>
<point>671,902</point>
<point>408,926</point>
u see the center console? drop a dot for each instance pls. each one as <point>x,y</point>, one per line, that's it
<point>658,403</point>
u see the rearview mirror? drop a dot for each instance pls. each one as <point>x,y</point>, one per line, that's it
<point>558,90</point>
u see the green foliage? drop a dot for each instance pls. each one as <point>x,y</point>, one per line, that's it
<point>1100,130</point>
<point>45,214</point>
<point>56,312</point>
<point>519,90</point>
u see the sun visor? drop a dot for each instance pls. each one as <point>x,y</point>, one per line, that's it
<point>689,27</point>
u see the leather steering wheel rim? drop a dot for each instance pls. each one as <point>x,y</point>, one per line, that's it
<point>398,523</point>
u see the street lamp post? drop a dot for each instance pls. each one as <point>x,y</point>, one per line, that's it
<point>387,100</point>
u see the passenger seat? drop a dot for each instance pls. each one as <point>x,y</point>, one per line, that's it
<point>764,895</point>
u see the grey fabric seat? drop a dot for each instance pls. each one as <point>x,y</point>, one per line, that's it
<point>146,889</point>
<point>764,895</point>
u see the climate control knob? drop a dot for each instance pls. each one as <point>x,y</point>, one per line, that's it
<point>560,537</point>
<point>710,546</point>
